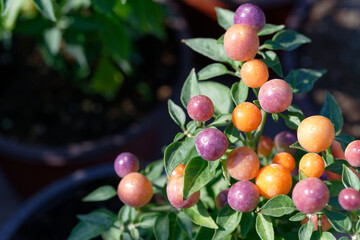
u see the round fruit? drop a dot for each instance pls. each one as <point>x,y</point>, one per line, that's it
<point>349,199</point>
<point>312,165</point>
<point>242,163</point>
<point>246,117</point>
<point>254,73</point>
<point>200,108</point>
<point>283,140</point>
<point>273,180</point>
<point>221,199</point>
<point>126,163</point>
<point>316,133</point>
<point>135,190</point>
<point>285,159</point>
<point>265,146</point>
<point>275,96</point>
<point>310,195</point>
<point>352,153</point>
<point>241,42</point>
<point>174,191</point>
<point>243,196</point>
<point>251,15</point>
<point>325,224</point>
<point>211,144</point>
<point>178,171</point>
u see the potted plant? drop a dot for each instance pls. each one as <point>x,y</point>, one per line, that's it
<point>95,78</point>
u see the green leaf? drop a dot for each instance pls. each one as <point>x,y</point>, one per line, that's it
<point>176,113</point>
<point>134,233</point>
<point>275,117</point>
<point>246,223</point>
<point>84,231</point>
<point>223,120</point>
<point>154,170</point>
<point>297,145</point>
<point>232,133</point>
<point>179,136</point>
<point>101,218</point>
<point>294,117</point>
<point>286,40</point>
<point>161,227</point>
<point>301,175</point>
<point>264,227</point>
<point>102,193</point>
<point>270,29</point>
<point>278,206</point>
<point>239,92</point>
<point>213,165</point>
<point>343,238</point>
<point>332,111</point>
<point>220,96</point>
<point>113,233</point>
<point>225,17</point>
<point>334,187</point>
<point>185,223</point>
<point>302,80</point>
<point>210,48</point>
<point>297,217</point>
<point>336,166</point>
<point>200,216</point>
<point>52,39</point>
<point>306,231</point>
<point>191,126</point>
<point>126,214</point>
<point>329,159</point>
<point>350,179</point>
<point>46,8</point>
<point>327,236</point>
<point>227,221</point>
<point>339,221</point>
<point>196,175</point>
<point>11,12</point>
<point>204,233</point>
<point>190,88</point>
<point>213,70</point>
<point>344,140</point>
<point>272,61</point>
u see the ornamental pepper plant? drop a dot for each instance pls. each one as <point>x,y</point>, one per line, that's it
<point>221,178</point>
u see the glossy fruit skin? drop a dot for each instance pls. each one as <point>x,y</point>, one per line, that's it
<point>178,171</point>
<point>349,199</point>
<point>250,14</point>
<point>285,159</point>
<point>275,96</point>
<point>316,133</point>
<point>174,191</point>
<point>246,117</point>
<point>310,195</point>
<point>265,146</point>
<point>254,73</point>
<point>283,140</point>
<point>126,163</point>
<point>211,144</point>
<point>221,199</point>
<point>312,165</point>
<point>242,163</point>
<point>243,196</point>
<point>325,224</point>
<point>273,180</point>
<point>135,190</point>
<point>352,153</point>
<point>241,42</point>
<point>200,108</point>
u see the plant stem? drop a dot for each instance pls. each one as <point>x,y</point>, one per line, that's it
<point>249,139</point>
<point>260,129</point>
<point>319,224</point>
<point>256,92</point>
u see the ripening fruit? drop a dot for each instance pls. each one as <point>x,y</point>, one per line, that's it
<point>178,171</point>
<point>273,180</point>
<point>211,144</point>
<point>312,165</point>
<point>243,196</point>
<point>174,191</point>
<point>241,42</point>
<point>265,146</point>
<point>325,224</point>
<point>352,153</point>
<point>283,140</point>
<point>135,190</point>
<point>254,73</point>
<point>310,195</point>
<point>200,108</point>
<point>316,133</point>
<point>242,163</point>
<point>126,163</point>
<point>349,199</point>
<point>285,159</point>
<point>275,96</point>
<point>246,117</point>
<point>251,15</point>
<point>221,199</point>
<point>337,151</point>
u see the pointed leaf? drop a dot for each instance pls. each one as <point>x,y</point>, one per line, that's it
<point>101,218</point>
<point>264,227</point>
<point>339,221</point>
<point>270,29</point>
<point>349,178</point>
<point>332,111</point>
<point>126,214</point>
<point>272,61</point>
<point>297,146</point>
<point>190,88</point>
<point>185,223</point>
<point>176,113</point>
<point>52,39</point>
<point>102,193</point>
<point>213,70</point>
<point>227,221</point>
<point>286,40</point>
<point>278,206</point>
<point>246,223</point>
<point>336,166</point>
<point>161,227</point>
<point>46,8</point>
<point>200,216</point>
<point>225,17</point>
<point>306,231</point>
<point>84,231</point>
<point>239,92</point>
<point>302,80</point>
<point>223,120</point>
<point>297,217</point>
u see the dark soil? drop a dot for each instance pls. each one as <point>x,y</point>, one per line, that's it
<point>39,106</point>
